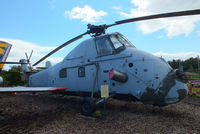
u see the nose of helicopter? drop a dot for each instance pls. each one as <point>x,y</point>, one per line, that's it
<point>172,89</point>
<point>176,93</point>
<point>179,90</point>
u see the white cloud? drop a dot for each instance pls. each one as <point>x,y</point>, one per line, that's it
<point>173,26</point>
<point>176,56</point>
<point>87,14</point>
<point>19,48</point>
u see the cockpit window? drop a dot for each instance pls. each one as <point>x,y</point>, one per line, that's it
<point>111,44</point>
<point>103,46</point>
<point>116,41</point>
<point>123,40</point>
<point>119,42</point>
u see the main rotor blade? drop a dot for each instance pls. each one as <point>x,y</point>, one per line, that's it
<point>157,16</point>
<point>61,46</point>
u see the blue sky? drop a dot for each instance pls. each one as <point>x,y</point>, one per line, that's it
<point>42,25</point>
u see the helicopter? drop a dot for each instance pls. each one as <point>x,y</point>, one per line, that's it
<point>108,65</point>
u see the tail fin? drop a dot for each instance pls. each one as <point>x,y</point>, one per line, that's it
<point>4,52</point>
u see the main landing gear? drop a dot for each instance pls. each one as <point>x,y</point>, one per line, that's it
<point>88,106</point>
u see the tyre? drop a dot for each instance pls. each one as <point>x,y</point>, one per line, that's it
<point>87,106</point>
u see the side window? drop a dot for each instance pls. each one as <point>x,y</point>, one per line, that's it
<point>63,73</point>
<point>103,46</point>
<point>81,72</point>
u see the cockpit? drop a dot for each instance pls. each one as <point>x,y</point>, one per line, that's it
<point>111,44</point>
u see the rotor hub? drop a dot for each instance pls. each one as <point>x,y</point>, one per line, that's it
<point>95,31</point>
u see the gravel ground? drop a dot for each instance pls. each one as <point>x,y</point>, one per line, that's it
<point>47,113</point>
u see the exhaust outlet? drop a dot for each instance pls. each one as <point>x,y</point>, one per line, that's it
<point>118,76</point>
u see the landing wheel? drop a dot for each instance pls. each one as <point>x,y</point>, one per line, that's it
<point>87,106</point>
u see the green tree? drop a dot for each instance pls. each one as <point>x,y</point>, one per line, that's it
<point>16,69</point>
<point>13,77</point>
<point>173,64</point>
<point>189,65</point>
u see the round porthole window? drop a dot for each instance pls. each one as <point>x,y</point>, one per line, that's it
<point>130,65</point>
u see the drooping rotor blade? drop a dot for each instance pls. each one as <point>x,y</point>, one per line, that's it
<point>157,16</point>
<point>61,46</point>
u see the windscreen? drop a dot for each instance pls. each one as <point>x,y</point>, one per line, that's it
<point>103,46</point>
<point>119,42</point>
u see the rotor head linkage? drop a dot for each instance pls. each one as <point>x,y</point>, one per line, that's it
<point>95,31</point>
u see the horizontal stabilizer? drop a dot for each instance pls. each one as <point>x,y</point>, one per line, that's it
<point>31,89</point>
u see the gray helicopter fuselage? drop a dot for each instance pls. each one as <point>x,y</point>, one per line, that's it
<point>87,67</point>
